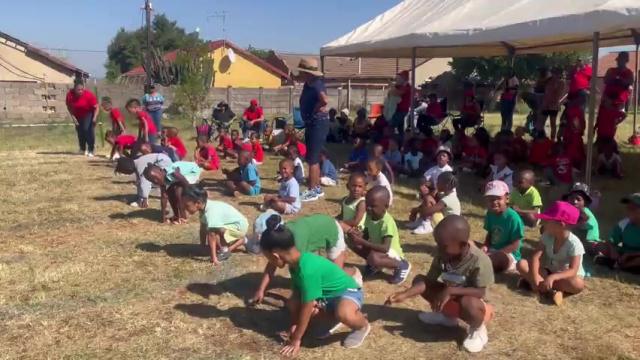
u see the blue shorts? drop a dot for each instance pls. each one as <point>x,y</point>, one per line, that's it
<point>254,191</point>
<point>315,136</point>
<point>330,304</point>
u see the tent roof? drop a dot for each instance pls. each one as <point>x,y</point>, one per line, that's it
<point>460,28</point>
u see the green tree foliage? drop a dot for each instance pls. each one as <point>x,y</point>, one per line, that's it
<point>126,48</point>
<point>195,69</point>
<point>261,53</point>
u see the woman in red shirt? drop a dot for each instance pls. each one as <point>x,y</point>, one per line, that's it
<point>252,119</point>
<point>83,107</point>
<point>403,90</point>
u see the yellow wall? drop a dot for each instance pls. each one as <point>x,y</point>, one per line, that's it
<point>242,73</point>
<point>13,56</point>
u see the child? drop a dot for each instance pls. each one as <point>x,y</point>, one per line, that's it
<point>172,140</point>
<point>378,178</point>
<point>470,113</point>
<point>456,284</point>
<point>378,153</point>
<point>318,285</point>
<point>609,116</point>
<point>526,200</point>
<point>256,148</point>
<point>520,147</point>
<point>268,136</point>
<point>500,170</point>
<point>119,144</point>
<point>541,149</point>
<point>344,125</point>
<point>623,249</point>
<point>378,129</point>
<point>474,157</point>
<point>555,267</point>
<point>225,144</point>
<point>288,199</point>
<point>147,131</point>
<point>298,166</point>
<point>393,156</point>
<point>420,224</point>
<point>328,172</point>
<point>205,154</point>
<point>222,226</point>
<point>447,202</point>
<point>358,157</point>
<point>333,136</point>
<point>505,229</point>
<point>587,228</point>
<point>361,125</point>
<point>609,161</point>
<point>560,169</point>
<point>413,160</point>
<point>387,136</point>
<point>244,179</point>
<point>117,120</point>
<point>459,142</point>
<point>379,244</point>
<point>236,140</point>
<point>172,181</point>
<point>443,157</point>
<point>128,166</point>
<point>353,210</point>
<point>429,146</point>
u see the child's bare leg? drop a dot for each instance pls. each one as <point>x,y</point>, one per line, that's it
<point>359,250</point>
<point>380,260</point>
<point>213,239</point>
<point>348,313</point>
<point>500,261</point>
<point>472,311</point>
<point>179,203</point>
<point>231,186</point>
<point>423,212</point>
<point>244,187</point>
<point>293,304</point>
<point>173,202</point>
<point>339,260</point>
<point>279,206</point>
<point>572,285</point>
<point>525,272</point>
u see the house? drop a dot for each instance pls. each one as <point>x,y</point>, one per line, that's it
<point>233,67</point>
<point>22,62</point>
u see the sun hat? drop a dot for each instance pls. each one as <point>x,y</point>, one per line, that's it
<point>445,149</point>
<point>310,66</point>
<point>561,211</point>
<point>496,188</point>
<point>345,112</point>
<point>632,199</point>
<point>582,189</point>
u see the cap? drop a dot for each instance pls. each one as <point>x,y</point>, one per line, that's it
<point>561,211</point>
<point>496,188</point>
<point>632,199</point>
<point>582,189</point>
<point>253,102</point>
<point>444,149</point>
<point>345,112</point>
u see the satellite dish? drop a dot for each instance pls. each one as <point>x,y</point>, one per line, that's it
<point>231,55</point>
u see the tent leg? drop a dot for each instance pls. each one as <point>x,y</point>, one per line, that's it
<point>413,89</point>
<point>635,96</point>
<point>322,64</point>
<point>592,108</point>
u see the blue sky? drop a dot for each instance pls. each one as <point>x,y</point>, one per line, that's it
<point>295,26</point>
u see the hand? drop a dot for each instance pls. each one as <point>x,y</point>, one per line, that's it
<point>440,299</point>
<point>268,198</point>
<point>484,249</point>
<point>291,349</point>
<point>546,285</point>
<point>256,299</point>
<point>394,299</point>
<point>144,203</point>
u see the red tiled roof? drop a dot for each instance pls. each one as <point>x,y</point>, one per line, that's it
<point>609,61</point>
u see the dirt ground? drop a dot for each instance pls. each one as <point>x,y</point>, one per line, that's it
<point>83,275</point>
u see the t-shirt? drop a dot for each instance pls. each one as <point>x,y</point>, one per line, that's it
<point>452,204</point>
<point>561,260</point>
<point>153,102</point>
<point>226,142</point>
<point>220,215</point>
<point>412,161</point>
<point>82,105</point>
<point>381,180</point>
<point>540,150</point>
<point>190,170</point>
<point>316,278</point>
<point>249,174</point>
<point>254,114</point>
<point>302,149</point>
<point>328,170</point>
<point>349,210</point>
<point>177,143</point>
<point>143,185</point>
<point>310,96</point>
<point>291,188</point>
<point>505,175</point>
<point>258,152</point>
<point>530,200</point>
<point>377,230</point>
<point>626,235</point>
<point>298,170</point>
<point>210,154</point>
<point>474,270</point>
<point>610,162</point>
<point>504,229</point>
<point>359,155</point>
<point>393,157</point>
<point>116,117</point>
<point>434,172</point>
<point>590,230</point>
<point>563,169</point>
<point>580,79</point>
<point>144,117</point>
<point>616,91</point>
<point>405,98</point>
<point>125,140</point>
<point>314,232</point>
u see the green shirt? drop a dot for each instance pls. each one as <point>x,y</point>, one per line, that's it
<point>349,211</point>
<point>589,231</point>
<point>626,235</point>
<point>376,231</point>
<point>314,232</point>
<point>220,215</point>
<point>530,200</point>
<point>190,170</point>
<point>315,278</point>
<point>474,270</point>
<point>504,229</point>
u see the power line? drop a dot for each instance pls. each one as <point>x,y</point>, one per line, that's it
<point>75,50</point>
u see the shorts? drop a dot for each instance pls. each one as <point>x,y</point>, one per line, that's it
<point>436,218</point>
<point>289,209</point>
<point>550,113</point>
<point>394,255</point>
<point>327,181</point>
<point>340,246</point>
<point>331,304</point>
<point>452,309</point>
<point>512,259</point>
<point>315,136</point>
<point>232,234</point>
<point>254,191</point>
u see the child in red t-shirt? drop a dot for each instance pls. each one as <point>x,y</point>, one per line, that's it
<point>147,131</point>
<point>172,140</point>
<point>475,157</point>
<point>429,146</point>
<point>117,120</point>
<point>237,141</point>
<point>205,154</point>
<point>119,144</point>
<point>520,146</point>
<point>289,136</point>
<point>256,149</point>
<point>560,169</point>
<point>609,116</point>
<point>572,133</point>
<point>541,148</point>
<point>225,144</point>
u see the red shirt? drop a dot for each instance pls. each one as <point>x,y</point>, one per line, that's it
<point>126,141</point>
<point>405,99</point>
<point>116,117</point>
<point>435,110</point>
<point>82,105</point>
<point>475,152</point>
<point>384,142</point>
<point>226,142</point>
<point>540,150</point>
<point>608,122</point>
<point>429,147</point>
<point>144,117</point>
<point>580,79</point>
<point>520,149</point>
<point>615,91</point>
<point>576,120</point>
<point>302,149</point>
<point>258,153</point>
<point>254,114</point>
<point>209,154</point>
<point>177,143</point>
<point>562,168</point>
<point>246,147</point>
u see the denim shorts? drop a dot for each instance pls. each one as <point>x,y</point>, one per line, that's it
<point>330,304</point>
<point>315,136</point>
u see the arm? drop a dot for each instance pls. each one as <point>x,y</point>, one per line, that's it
<point>322,102</point>
<point>301,323</point>
<point>418,287</point>
<point>287,199</point>
<point>358,238</point>
<point>180,178</point>
<point>487,241</point>
<point>267,275</point>
<point>392,177</point>
<point>73,117</point>
<point>96,111</point>
<point>145,130</point>
<point>511,247</point>
<point>466,291</point>
<point>361,210</point>
<point>438,207</point>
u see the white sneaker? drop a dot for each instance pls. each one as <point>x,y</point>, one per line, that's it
<point>436,318</point>
<point>86,153</point>
<point>476,340</point>
<point>414,224</point>
<point>90,155</point>
<point>134,204</point>
<point>424,228</point>
<point>116,156</point>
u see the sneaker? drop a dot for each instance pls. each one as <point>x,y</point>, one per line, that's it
<point>370,271</point>
<point>86,153</point>
<point>476,340</point>
<point>401,273</point>
<point>134,204</point>
<point>115,157</point>
<point>309,195</point>
<point>436,318</point>
<point>319,191</point>
<point>414,224</point>
<point>328,332</point>
<point>90,155</point>
<point>356,338</point>
<point>557,297</point>
<point>223,255</point>
<point>424,228</point>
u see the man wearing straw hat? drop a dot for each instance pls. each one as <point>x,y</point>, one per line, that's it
<point>313,108</point>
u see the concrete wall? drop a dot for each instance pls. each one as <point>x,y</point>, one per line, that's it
<point>17,65</point>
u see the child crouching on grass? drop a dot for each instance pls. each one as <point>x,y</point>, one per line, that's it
<point>288,199</point>
<point>353,209</point>
<point>525,198</point>
<point>119,144</point>
<point>244,179</point>
<point>318,286</point>
<point>205,154</point>
<point>555,267</point>
<point>456,284</point>
<point>419,223</point>
<point>172,181</point>
<point>222,226</point>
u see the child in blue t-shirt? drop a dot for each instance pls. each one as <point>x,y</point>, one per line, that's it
<point>359,156</point>
<point>245,178</point>
<point>328,173</point>
<point>298,167</point>
<point>288,199</point>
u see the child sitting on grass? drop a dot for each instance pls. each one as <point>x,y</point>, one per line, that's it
<point>117,119</point>
<point>609,161</point>
<point>379,243</point>
<point>119,144</point>
<point>222,226</point>
<point>420,224</point>
<point>353,211</point>
<point>587,228</point>
<point>256,148</point>
<point>474,158</point>
<point>358,157</point>
<point>443,157</point>
<point>328,172</point>
<point>298,166</point>
<point>147,131</point>
<point>244,179</point>
<point>225,145</point>
<point>520,147</point>
<point>525,199</point>
<point>413,160</point>
<point>623,249</point>
<point>172,140</point>
<point>205,155</point>
<point>456,284</point>
<point>505,229</point>
<point>500,170</point>
<point>394,156</point>
<point>378,153</point>
<point>541,149</point>
<point>378,178</point>
<point>555,267</point>
<point>288,199</point>
<point>172,180</point>
<point>318,286</point>
<point>560,168</point>
<point>447,202</point>
<point>237,141</point>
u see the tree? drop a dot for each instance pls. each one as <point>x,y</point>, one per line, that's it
<point>261,53</point>
<point>195,69</point>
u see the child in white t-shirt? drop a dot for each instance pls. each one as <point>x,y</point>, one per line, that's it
<point>377,177</point>
<point>288,199</point>
<point>609,160</point>
<point>413,160</point>
<point>500,170</point>
<point>443,157</point>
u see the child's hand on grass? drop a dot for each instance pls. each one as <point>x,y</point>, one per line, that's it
<point>291,349</point>
<point>440,299</point>
<point>394,299</point>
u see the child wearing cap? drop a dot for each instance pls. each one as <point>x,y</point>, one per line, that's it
<point>443,157</point>
<point>526,199</point>
<point>623,248</point>
<point>587,228</point>
<point>505,229</point>
<point>555,267</point>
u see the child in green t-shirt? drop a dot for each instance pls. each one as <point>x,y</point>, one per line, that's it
<point>505,229</point>
<point>456,283</point>
<point>353,211</point>
<point>379,244</point>
<point>526,200</point>
<point>587,228</point>
<point>318,286</point>
<point>623,248</point>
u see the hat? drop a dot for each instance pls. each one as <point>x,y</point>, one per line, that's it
<point>310,66</point>
<point>444,149</point>
<point>345,112</point>
<point>582,189</point>
<point>253,102</point>
<point>632,199</point>
<point>561,211</point>
<point>496,188</point>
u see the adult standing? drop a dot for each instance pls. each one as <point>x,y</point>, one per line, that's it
<point>313,108</point>
<point>252,119</point>
<point>579,82</point>
<point>402,89</point>
<point>554,91</point>
<point>618,81</point>
<point>83,107</point>
<point>509,85</point>
<point>153,102</point>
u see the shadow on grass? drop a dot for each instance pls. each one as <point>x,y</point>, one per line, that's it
<point>242,287</point>
<point>119,198</point>
<point>58,153</point>
<point>421,248</point>
<point>192,251</point>
<point>149,214</point>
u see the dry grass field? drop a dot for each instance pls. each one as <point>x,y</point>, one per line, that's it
<point>85,276</point>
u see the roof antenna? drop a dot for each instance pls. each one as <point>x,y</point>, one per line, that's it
<point>223,16</point>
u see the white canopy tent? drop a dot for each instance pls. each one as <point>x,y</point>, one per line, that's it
<point>464,28</point>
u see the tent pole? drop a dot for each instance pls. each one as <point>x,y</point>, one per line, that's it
<point>592,107</point>
<point>322,64</point>
<point>413,88</point>
<point>635,94</point>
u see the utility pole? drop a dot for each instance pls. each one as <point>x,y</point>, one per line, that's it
<point>147,61</point>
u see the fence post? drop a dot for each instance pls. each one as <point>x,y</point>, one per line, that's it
<point>260,90</point>
<point>366,95</point>
<point>290,100</point>
<point>349,94</point>
<point>339,98</point>
<point>229,95</point>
